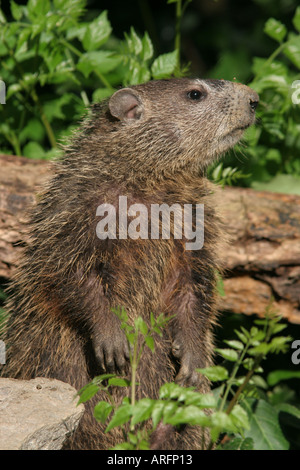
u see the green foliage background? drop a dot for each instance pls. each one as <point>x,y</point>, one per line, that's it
<point>57,57</point>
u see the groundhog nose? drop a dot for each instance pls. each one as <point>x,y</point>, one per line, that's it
<point>253,99</point>
<point>253,104</point>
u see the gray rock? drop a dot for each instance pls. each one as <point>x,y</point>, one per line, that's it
<point>37,414</point>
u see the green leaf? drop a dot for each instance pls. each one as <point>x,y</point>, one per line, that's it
<point>279,344</point>
<point>296,19</point>
<point>169,410</point>
<point>189,415</point>
<point>150,343</point>
<point>245,332</point>
<point>223,422</point>
<point>124,446</point>
<point>290,409</point>
<point>264,425</point>
<point>52,59</point>
<point>259,350</point>
<point>228,354</point>
<point>201,400</point>
<point>98,61</point>
<point>235,344</point>
<point>238,443</point>
<point>157,329</point>
<point>241,336</point>
<point>121,416</point>
<point>259,382</point>
<point>239,417</point>
<point>248,363</point>
<point>54,108</point>
<point>217,173</point>
<point>117,382</point>
<point>214,373</point>
<point>275,29</point>
<point>102,410</point>
<point>141,411</point>
<point>292,49</point>
<point>87,392</point>
<point>131,337</point>
<point>2,17</point>
<point>77,31</point>
<point>37,10</point>
<point>157,412</point>
<point>16,11</point>
<point>100,94</point>
<point>138,72</point>
<point>170,390</point>
<point>147,48</point>
<point>279,375</point>
<point>22,44</point>
<point>101,378</point>
<point>33,150</point>
<point>34,130</point>
<point>134,43</point>
<point>97,33</point>
<point>141,325</point>
<point>132,438</point>
<point>188,395</point>
<point>164,65</point>
<point>279,327</point>
<point>72,8</point>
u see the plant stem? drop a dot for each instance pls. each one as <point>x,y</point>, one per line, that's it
<point>233,375</point>
<point>134,364</point>
<point>244,384</point>
<point>257,361</point>
<point>271,58</point>
<point>35,98</point>
<point>44,119</point>
<point>178,30</point>
<point>177,27</point>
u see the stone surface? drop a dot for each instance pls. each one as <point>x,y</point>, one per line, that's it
<point>37,414</point>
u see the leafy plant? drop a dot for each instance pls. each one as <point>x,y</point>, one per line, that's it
<point>54,65</point>
<point>242,415</point>
<point>226,176</point>
<point>271,155</point>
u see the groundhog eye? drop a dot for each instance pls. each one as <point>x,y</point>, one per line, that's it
<point>195,94</point>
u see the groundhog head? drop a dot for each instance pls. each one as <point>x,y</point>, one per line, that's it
<point>181,123</point>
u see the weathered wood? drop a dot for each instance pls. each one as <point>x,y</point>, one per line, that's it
<point>20,178</point>
<point>262,259</point>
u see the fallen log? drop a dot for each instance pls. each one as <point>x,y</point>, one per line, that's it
<point>262,260</point>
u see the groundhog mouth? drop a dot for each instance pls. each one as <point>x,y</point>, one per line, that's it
<point>237,131</point>
<point>241,128</point>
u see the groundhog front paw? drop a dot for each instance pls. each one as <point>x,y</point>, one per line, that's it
<point>112,354</point>
<point>187,375</point>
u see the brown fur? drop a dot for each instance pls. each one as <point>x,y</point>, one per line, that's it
<point>61,324</point>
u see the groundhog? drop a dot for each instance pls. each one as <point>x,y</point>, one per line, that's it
<point>146,147</point>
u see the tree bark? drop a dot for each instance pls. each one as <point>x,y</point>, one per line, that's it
<point>262,260</point>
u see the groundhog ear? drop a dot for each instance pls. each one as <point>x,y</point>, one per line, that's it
<point>124,104</point>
